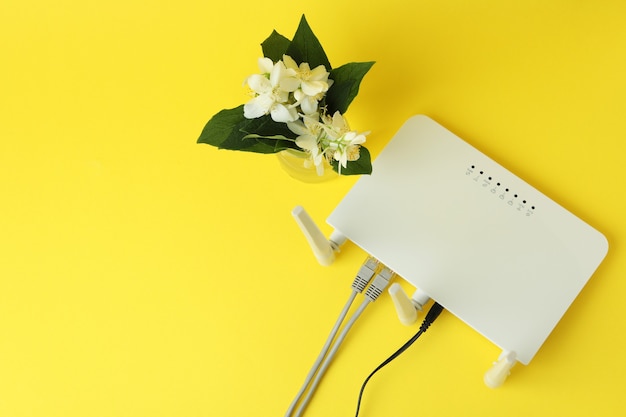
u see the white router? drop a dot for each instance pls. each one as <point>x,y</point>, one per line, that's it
<point>495,252</point>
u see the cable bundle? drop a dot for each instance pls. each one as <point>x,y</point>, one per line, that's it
<point>329,350</point>
<point>367,271</point>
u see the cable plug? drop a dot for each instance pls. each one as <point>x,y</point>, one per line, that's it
<point>365,274</point>
<point>431,316</point>
<point>380,283</point>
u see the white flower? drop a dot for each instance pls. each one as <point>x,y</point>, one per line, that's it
<point>265,65</point>
<point>271,89</point>
<point>342,142</point>
<point>309,132</point>
<point>335,126</point>
<point>347,147</point>
<point>313,84</point>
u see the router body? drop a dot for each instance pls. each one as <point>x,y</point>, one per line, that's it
<point>491,249</point>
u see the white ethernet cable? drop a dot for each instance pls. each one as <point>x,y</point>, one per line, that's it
<point>363,277</point>
<point>373,292</point>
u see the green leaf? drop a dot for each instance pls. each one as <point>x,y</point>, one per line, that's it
<point>305,47</point>
<point>229,129</point>
<point>269,144</point>
<point>361,166</point>
<point>240,139</point>
<point>346,81</point>
<point>274,137</point>
<point>265,126</point>
<point>275,46</point>
<point>221,126</point>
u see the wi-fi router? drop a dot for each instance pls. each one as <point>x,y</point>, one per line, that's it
<point>494,251</point>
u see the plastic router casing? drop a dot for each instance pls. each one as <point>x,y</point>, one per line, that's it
<point>491,249</point>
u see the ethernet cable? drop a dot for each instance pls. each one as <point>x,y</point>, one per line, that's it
<point>431,316</point>
<point>371,294</point>
<point>363,277</point>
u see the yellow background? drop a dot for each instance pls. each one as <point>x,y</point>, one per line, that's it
<point>142,274</point>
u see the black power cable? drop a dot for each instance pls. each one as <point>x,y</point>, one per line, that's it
<point>431,316</point>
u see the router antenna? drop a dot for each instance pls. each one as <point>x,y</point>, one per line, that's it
<point>407,308</point>
<point>500,370</point>
<point>323,249</point>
